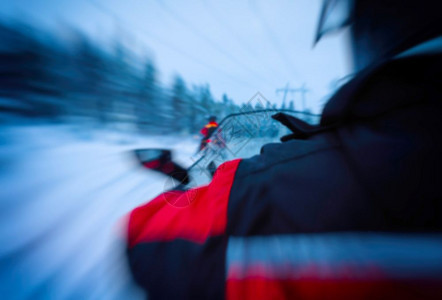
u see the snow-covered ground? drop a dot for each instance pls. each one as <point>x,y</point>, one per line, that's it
<point>63,200</point>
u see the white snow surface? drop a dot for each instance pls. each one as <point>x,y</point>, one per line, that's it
<point>64,198</point>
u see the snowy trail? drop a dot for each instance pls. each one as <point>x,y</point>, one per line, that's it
<point>63,204</point>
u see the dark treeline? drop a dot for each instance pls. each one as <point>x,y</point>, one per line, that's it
<point>76,80</point>
<point>70,78</point>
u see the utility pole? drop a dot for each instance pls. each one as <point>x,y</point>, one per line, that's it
<point>303,90</point>
<point>285,90</point>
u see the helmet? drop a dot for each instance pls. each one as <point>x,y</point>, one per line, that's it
<point>212,119</point>
<point>381,29</point>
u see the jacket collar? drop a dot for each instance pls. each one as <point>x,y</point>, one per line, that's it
<point>371,93</point>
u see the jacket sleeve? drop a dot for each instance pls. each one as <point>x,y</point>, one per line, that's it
<point>177,242</point>
<point>203,131</point>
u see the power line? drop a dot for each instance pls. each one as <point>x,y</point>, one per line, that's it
<point>226,27</point>
<point>275,41</point>
<point>231,31</point>
<point>209,41</point>
<point>165,43</point>
<point>285,90</point>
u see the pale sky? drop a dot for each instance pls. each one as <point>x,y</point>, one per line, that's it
<point>238,47</point>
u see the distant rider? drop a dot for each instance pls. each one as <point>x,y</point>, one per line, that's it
<point>207,132</point>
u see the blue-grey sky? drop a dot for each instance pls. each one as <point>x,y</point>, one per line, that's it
<point>238,47</point>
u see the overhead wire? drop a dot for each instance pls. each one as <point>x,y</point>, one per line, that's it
<point>168,45</point>
<point>285,59</point>
<point>213,44</point>
<point>227,28</point>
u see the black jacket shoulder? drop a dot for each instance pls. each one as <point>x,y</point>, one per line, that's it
<point>376,167</point>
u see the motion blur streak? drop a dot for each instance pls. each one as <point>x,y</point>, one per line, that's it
<point>74,104</point>
<point>62,200</point>
<point>68,116</point>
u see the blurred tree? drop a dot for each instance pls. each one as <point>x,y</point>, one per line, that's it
<point>192,113</point>
<point>180,105</point>
<point>259,106</point>
<point>206,100</point>
<point>45,76</point>
<point>91,67</point>
<point>149,109</point>
<point>291,105</point>
<point>25,79</point>
<point>229,106</point>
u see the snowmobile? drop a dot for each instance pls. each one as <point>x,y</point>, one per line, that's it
<point>239,135</point>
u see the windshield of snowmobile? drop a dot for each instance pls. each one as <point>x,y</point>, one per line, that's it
<point>240,136</point>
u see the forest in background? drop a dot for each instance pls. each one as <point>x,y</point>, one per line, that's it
<point>74,79</point>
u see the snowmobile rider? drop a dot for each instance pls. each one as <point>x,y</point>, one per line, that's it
<point>207,132</point>
<point>350,208</point>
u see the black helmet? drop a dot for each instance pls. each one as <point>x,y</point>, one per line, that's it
<point>381,29</point>
<point>212,119</point>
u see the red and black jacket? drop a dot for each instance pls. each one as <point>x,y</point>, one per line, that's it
<point>209,129</point>
<point>349,209</point>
